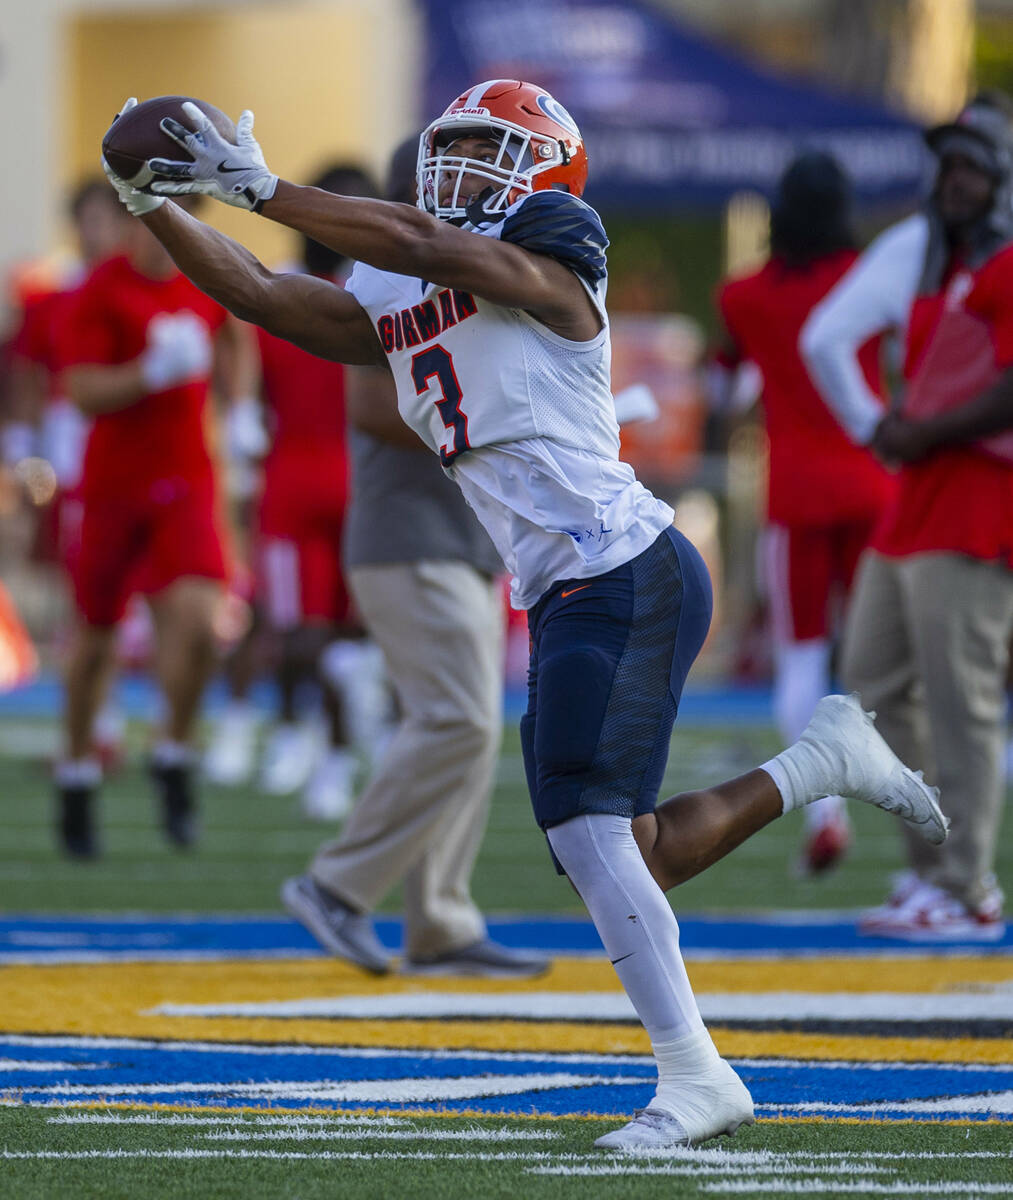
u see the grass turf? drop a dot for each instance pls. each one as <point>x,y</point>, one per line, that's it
<point>467,1157</point>
<point>252,842</point>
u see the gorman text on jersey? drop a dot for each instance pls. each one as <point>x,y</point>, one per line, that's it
<point>422,322</point>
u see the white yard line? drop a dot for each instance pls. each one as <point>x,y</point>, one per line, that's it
<point>252,1122</point>
<point>284,1155</point>
<point>952,1187</point>
<point>985,1003</point>
<point>403,1135</point>
<point>35,1064</point>
<point>633,1164</point>
<point>407,1090</point>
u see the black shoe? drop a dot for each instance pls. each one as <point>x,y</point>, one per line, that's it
<point>484,958</point>
<point>174,785</point>
<point>75,827</point>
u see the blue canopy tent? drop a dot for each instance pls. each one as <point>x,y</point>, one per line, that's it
<point>671,121</point>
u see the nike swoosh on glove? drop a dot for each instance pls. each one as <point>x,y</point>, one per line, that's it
<point>235,174</point>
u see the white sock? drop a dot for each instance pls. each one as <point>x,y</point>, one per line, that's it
<point>801,773</point>
<point>823,812</point>
<point>78,773</point>
<point>801,680</point>
<point>633,919</point>
<point>169,753</point>
<point>680,1061</point>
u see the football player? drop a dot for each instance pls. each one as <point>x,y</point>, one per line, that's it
<point>47,422</point>
<point>824,492</point>
<point>487,303</point>
<point>137,347</point>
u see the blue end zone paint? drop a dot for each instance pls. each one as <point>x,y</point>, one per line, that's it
<point>132,937</point>
<point>57,1070</point>
<point>700,705</point>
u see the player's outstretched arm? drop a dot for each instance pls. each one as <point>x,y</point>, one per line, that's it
<point>407,241</point>
<point>391,237</point>
<point>315,315</point>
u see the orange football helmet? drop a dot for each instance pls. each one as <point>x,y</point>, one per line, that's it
<point>540,147</point>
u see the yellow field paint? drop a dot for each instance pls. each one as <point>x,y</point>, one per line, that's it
<point>117,999</point>
<point>850,974</point>
<point>827,1047</point>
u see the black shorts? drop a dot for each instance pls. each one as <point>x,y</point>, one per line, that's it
<point>609,659</point>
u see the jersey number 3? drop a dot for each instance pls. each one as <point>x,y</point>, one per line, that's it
<point>437,362</point>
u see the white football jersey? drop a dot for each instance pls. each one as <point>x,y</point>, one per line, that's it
<point>522,418</point>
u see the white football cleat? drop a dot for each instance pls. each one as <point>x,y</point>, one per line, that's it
<point>291,753</point>
<point>330,793</point>
<point>861,765</point>
<point>716,1105</point>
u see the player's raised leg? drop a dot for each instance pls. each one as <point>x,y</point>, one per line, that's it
<point>839,753</point>
<point>609,659</point>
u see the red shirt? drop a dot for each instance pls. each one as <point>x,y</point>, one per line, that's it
<point>34,338</point>
<point>957,500</point>
<point>305,395</point>
<point>818,476</point>
<point>159,439</point>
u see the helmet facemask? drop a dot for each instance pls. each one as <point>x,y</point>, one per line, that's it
<point>521,156</point>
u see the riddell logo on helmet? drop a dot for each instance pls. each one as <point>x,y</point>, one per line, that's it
<point>471,112</point>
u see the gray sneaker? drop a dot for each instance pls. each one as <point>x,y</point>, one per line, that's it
<point>485,958</point>
<point>338,928</point>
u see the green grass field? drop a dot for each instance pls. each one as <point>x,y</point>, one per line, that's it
<point>252,842</point>
<point>257,1158</point>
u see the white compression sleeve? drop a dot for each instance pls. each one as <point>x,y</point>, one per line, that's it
<point>874,296</point>
<point>633,919</point>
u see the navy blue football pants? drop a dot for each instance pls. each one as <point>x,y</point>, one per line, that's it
<point>609,660</point>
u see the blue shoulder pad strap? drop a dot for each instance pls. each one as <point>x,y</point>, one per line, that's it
<point>560,226</point>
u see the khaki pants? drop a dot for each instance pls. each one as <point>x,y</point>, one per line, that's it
<point>926,646</point>
<point>421,819</point>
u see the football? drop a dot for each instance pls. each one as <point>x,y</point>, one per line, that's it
<point>137,136</point>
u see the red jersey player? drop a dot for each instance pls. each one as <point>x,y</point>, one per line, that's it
<point>43,420</point>
<point>138,348</point>
<point>53,426</point>
<point>824,492</point>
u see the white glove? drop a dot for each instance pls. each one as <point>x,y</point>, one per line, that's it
<point>245,435</point>
<point>178,349</point>
<point>233,174</point>
<point>635,403</point>
<point>17,441</point>
<point>136,203</point>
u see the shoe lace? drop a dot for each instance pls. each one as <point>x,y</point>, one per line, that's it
<point>654,1118</point>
